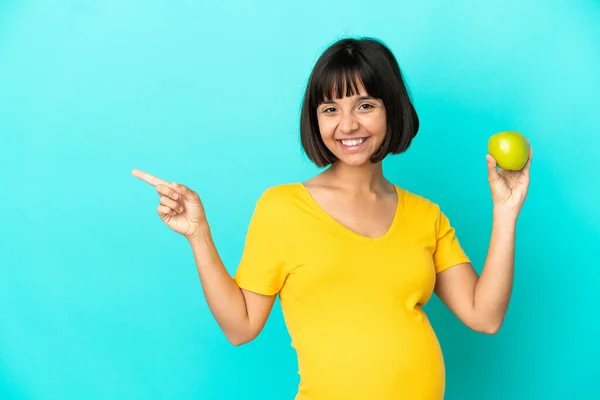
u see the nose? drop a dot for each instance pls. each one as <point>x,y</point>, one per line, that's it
<point>348,123</point>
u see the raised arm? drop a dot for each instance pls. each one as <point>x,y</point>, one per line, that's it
<point>239,313</point>
<point>481,302</point>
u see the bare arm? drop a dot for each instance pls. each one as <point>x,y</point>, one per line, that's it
<point>240,314</point>
<point>481,302</point>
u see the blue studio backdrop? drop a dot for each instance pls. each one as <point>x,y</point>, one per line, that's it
<point>100,300</point>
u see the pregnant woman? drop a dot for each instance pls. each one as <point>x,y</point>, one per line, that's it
<point>352,256</point>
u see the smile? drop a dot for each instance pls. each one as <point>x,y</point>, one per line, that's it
<point>352,144</point>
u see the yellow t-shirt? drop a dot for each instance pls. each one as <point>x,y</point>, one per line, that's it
<point>352,304</point>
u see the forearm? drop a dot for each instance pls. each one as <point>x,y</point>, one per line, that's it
<point>494,286</point>
<point>223,296</point>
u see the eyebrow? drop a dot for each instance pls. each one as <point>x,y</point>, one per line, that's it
<point>359,99</point>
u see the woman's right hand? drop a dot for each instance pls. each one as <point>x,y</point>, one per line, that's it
<point>241,314</point>
<point>179,207</point>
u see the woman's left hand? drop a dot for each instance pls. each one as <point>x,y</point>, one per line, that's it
<point>509,188</point>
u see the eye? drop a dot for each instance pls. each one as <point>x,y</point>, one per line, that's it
<point>365,106</point>
<point>328,110</point>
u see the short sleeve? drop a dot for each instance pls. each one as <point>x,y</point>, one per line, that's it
<point>262,268</point>
<point>448,251</point>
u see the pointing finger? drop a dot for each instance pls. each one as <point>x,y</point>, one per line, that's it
<point>146,177</point>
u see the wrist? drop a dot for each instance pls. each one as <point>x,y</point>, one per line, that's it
<point>505,219</point>
<point>200,234</point>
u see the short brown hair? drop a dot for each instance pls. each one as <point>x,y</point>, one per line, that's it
<point>338,69</point>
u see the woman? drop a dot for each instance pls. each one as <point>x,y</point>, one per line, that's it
<point>352,256</point>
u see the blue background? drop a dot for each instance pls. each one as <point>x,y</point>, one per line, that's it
<point>100,300</point>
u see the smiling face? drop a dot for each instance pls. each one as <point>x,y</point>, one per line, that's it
<point>353,127</point>
<point>356,108</point>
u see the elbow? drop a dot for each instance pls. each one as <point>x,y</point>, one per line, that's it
<point>236,342</point>
<point>238,339</point>
<point>488,328</point>
<point>488,325</point>
<point>491,330</point>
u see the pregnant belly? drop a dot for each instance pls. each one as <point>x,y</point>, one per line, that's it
<point>395,362</point>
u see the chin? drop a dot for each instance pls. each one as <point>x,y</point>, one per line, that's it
<point>357,160</point>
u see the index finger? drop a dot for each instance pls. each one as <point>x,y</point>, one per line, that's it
<point>146,177</point>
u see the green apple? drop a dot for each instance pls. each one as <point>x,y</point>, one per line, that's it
<point>510,149</point>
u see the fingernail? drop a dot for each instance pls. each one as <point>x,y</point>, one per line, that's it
<point>175,195</point>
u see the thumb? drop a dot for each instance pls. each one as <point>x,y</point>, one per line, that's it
<point>493,175</point>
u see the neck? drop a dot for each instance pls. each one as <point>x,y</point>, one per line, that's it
<point>363,178</point>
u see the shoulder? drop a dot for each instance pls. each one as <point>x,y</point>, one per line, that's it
<point>274,210</point>
<point>279,199</point>
<point>280,194</point>
<point>418,205</point>
<point>423,213</point>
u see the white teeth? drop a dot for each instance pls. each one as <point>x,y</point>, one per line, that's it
<point>353,142</point>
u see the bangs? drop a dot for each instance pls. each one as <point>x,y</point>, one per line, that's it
<point>342,79</point>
